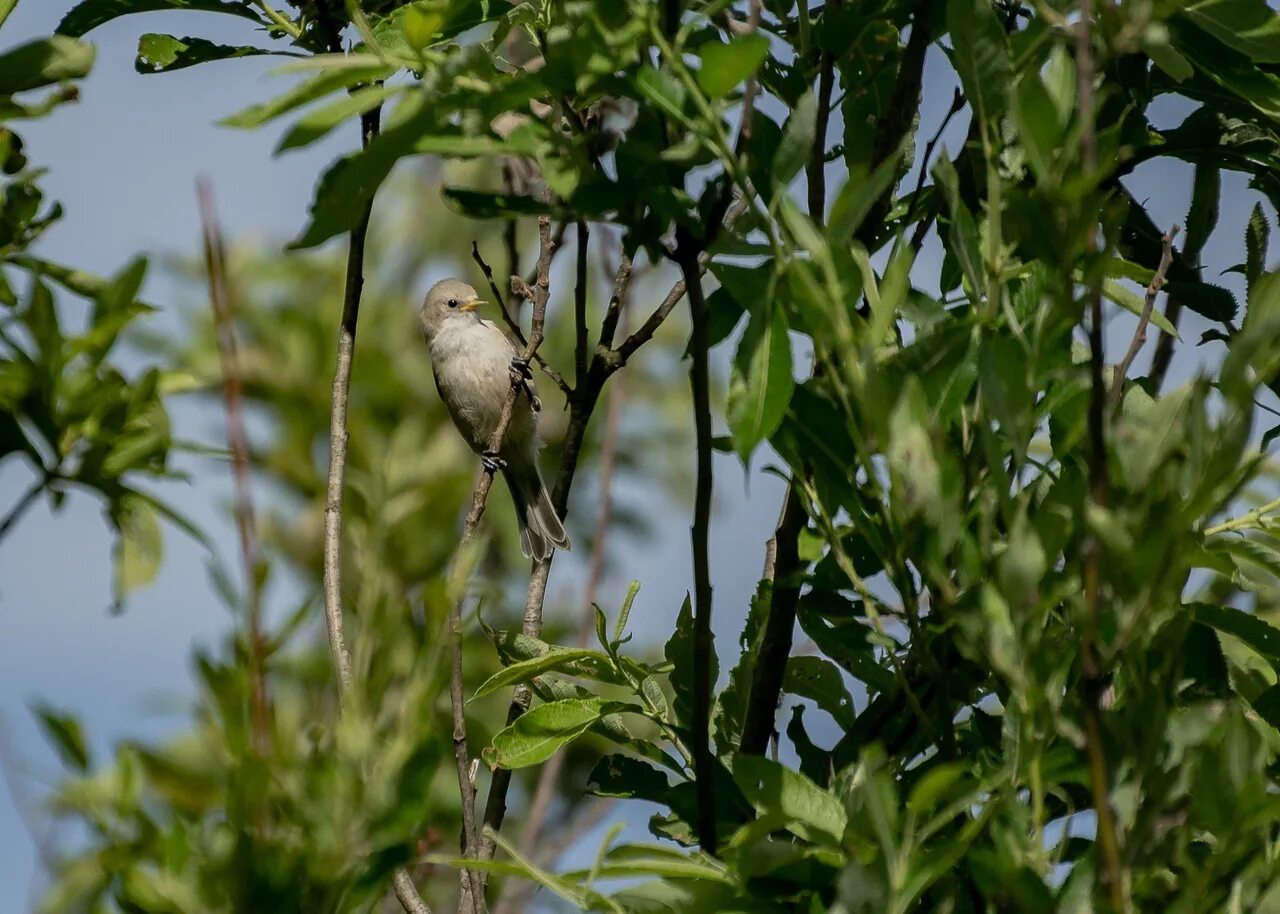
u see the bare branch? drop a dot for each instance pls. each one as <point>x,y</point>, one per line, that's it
<point>817,165</point>
<point>369,126</point>
<point>541,293</point>
<point>407,893</point>
<point>922,227</point>
<point>238,444</point>
<point>621,286</point>
<point>514,325</point>
<point>1140,332</point>
<point>1092,673</point>
<point>699,377</point>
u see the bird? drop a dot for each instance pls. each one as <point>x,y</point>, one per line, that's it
<point>472,361</point>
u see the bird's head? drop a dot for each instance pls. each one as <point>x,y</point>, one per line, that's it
<point>448,300</point>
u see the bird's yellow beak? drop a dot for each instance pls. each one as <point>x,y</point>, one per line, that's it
<point>471,305</point>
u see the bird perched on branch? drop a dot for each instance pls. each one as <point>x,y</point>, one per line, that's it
<point>473,360</point>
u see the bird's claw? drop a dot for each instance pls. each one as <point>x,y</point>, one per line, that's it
<point>492,462</point>
<point>521,367</point>
<point>521,375</point>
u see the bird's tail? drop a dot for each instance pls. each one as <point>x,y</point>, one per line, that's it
<point>540,526</point>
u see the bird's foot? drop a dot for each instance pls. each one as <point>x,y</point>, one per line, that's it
<point>492,462</point>
<point>522,367</point>
<point>521,375</point>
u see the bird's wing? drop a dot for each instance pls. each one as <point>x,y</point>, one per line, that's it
<point>490,325</point>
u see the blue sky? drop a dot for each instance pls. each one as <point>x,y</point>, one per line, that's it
<point>124,161</point>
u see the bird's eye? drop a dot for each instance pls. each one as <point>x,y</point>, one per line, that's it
<point>453,303</point>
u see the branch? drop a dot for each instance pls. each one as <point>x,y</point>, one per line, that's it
<point>1140,332</point>
<point>922,227</point>
<point>621,286</point>
<point>1092,673</point>
<point>514,325</point>
<point>904,102</point>
<point>369,125</point>
<point>472,838</point>
<point>817,176</point>
<point>24,504</point>
<point>699,378</point>
<point>781,564</point>
<point>238,444</point>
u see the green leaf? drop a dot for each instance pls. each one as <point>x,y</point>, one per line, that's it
<point>539,732</point>
<point>963,232</point>
<point>1259,634</point>
<point>65,735</point>
<point>724,66</point>
<point>1257,238</point>
<point>558,659</point>
<point>1202,217</point>
<point>981,57</point>
<point>760,381</point>
<point>858,196</point>
<point>796,145</point>
<point>44,62</point>
<point>1248,26</point>
<point>139,546</point>
<point>817,678</point>
<point>89,14</point>
<point>631,860</point>
<point>163,53</point>
<point>620,626</point>
<point>629,778</point>
<point>305,93</point>
<point>318,123</point>
<point>679,653</point>
<point>663,89</point>
<point>431,22</point>
<point>1134,304</point>
<point>917,477</point>
<point>788,799</point>
<point>1038,126</point>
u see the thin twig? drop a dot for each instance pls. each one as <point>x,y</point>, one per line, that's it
<point>621,285</point>
<point>369,126</point>
<point>549,776</point>
<point>1140,332</point>
<point>23,504</point>
<point>1245,521</point>
<point>407,893</point>
<point>512,323</point>
<point>238,444</point>
<point>1092,673</point>
<point>922,228</point>
<point>541,293</point>
<point>699,377</point>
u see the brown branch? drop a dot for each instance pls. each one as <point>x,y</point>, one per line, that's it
<point>549,775</point>
<point>1091,668</point>
<point>621,286</point>
<point>817,165</point>
<point>699,379</point>
<point>541,293</point>
<point>238,444</point>
<point>369,125</point>
<point>922,227</point>
<point>23,504</point>
<point>514,325</point>
<point>1140,332</point>
<point>901,110</point>
<point>782,563</point>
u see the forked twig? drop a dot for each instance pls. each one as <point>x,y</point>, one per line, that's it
<point>1144,320</point>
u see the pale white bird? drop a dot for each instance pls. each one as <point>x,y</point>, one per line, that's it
<point>472,360</point>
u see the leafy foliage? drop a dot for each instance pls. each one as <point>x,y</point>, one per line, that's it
<point>1028,613</point>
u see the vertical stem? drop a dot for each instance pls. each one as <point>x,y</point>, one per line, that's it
<point>580,306</point>
<point>1092,673</point>
<point>369,125</point>
<point>238,444</point>
<point>699,378</point>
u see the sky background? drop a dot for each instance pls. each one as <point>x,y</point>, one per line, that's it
<point>124,161</point>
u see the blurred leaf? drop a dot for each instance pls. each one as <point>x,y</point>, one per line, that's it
<point>981,57</point>
<point>66,736</point>
<point>139,546</point>
<point>760,382</point>
<point>724,66</point>
<point>796,144</point>
<point>1262,636</point>
<point>818,679</point>
<point>43,62</point>
<point>89,14</point>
